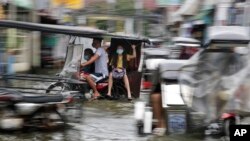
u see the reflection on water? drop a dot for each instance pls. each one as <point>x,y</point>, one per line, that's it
<point>107,120</point>
<point>103,120</point>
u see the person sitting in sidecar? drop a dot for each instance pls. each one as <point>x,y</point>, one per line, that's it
<point>101,68</point>
<point>119,64</point>
<point>88,53</point>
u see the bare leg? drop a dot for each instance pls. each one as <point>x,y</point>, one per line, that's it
<point>92,85</point>
<point>110,84</point>
<point>158,110</point>
<point>76,75</point>
<point>125,78</point>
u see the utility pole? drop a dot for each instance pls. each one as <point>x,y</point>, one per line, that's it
<point>35,40</point>
<point>2,15</point>
<point>139,8</point>
<point>111,6</point>
<point>246,18</point>
<point>12,11</point>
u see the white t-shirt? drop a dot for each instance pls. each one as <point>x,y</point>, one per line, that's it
<point>101,65</point>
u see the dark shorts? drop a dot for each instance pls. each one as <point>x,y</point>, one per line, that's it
<point>98,76</point>
<point>156,88</point>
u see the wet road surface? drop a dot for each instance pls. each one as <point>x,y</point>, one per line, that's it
<point>103,121</point>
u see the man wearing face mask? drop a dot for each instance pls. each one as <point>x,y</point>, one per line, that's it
<point>119,65</point>
<point>101,68</point>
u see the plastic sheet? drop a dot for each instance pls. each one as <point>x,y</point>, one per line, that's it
<point>73,60</point>
<point>216,82</point>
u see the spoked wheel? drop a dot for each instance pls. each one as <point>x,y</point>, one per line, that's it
<point>74,110</point>
<point>47,120</point>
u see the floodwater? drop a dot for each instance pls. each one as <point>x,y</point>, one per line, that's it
<point>102,121</point>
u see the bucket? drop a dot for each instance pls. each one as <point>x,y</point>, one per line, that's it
<point>176,121</point>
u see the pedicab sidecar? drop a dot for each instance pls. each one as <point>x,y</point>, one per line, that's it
<point>164,63</point>
<point>80,39</point>
<point>214,83</point>
<point>31,84</point>
<point>118,90</point>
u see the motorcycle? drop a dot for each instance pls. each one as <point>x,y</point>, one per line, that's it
<point>161,66</point>
<point>118,90</point>
<point>21,112</point>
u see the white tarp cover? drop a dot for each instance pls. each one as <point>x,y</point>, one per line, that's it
<point>152,64</point>
<point>73,60</point>
<point>188,45</point>
<point>228,33</point>
<point>156,51</point>
<point>217,82</point>
<point>184,41</point>
<point>169,69</point>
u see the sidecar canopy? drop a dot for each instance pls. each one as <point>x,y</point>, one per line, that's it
<point>184,41</point>
<point>59,29</point>
<point>228,34</point>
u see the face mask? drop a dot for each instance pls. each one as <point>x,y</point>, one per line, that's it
<point>119,51</point>
<point>86,57</point>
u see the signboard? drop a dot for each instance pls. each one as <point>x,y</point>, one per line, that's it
<point>42,4</point>
<point>24,3</point>
<point>74,4</point>
<point>168,2</point>
<point>70,4</point>
<point>2,14</point>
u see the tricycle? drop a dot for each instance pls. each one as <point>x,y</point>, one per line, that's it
<point>163,65</point>
<point>214,84</point>
<point>68,79</point>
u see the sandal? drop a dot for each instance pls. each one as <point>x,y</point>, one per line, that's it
<point>159,131</point>
<point>130,99</point>
<point>109,97</point>
<point>96,98</point>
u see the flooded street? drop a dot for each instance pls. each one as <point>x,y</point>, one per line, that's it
<point>103,120</point>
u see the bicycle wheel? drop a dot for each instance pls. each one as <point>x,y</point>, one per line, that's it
<point>46,120</point>
<point>74,109</point>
